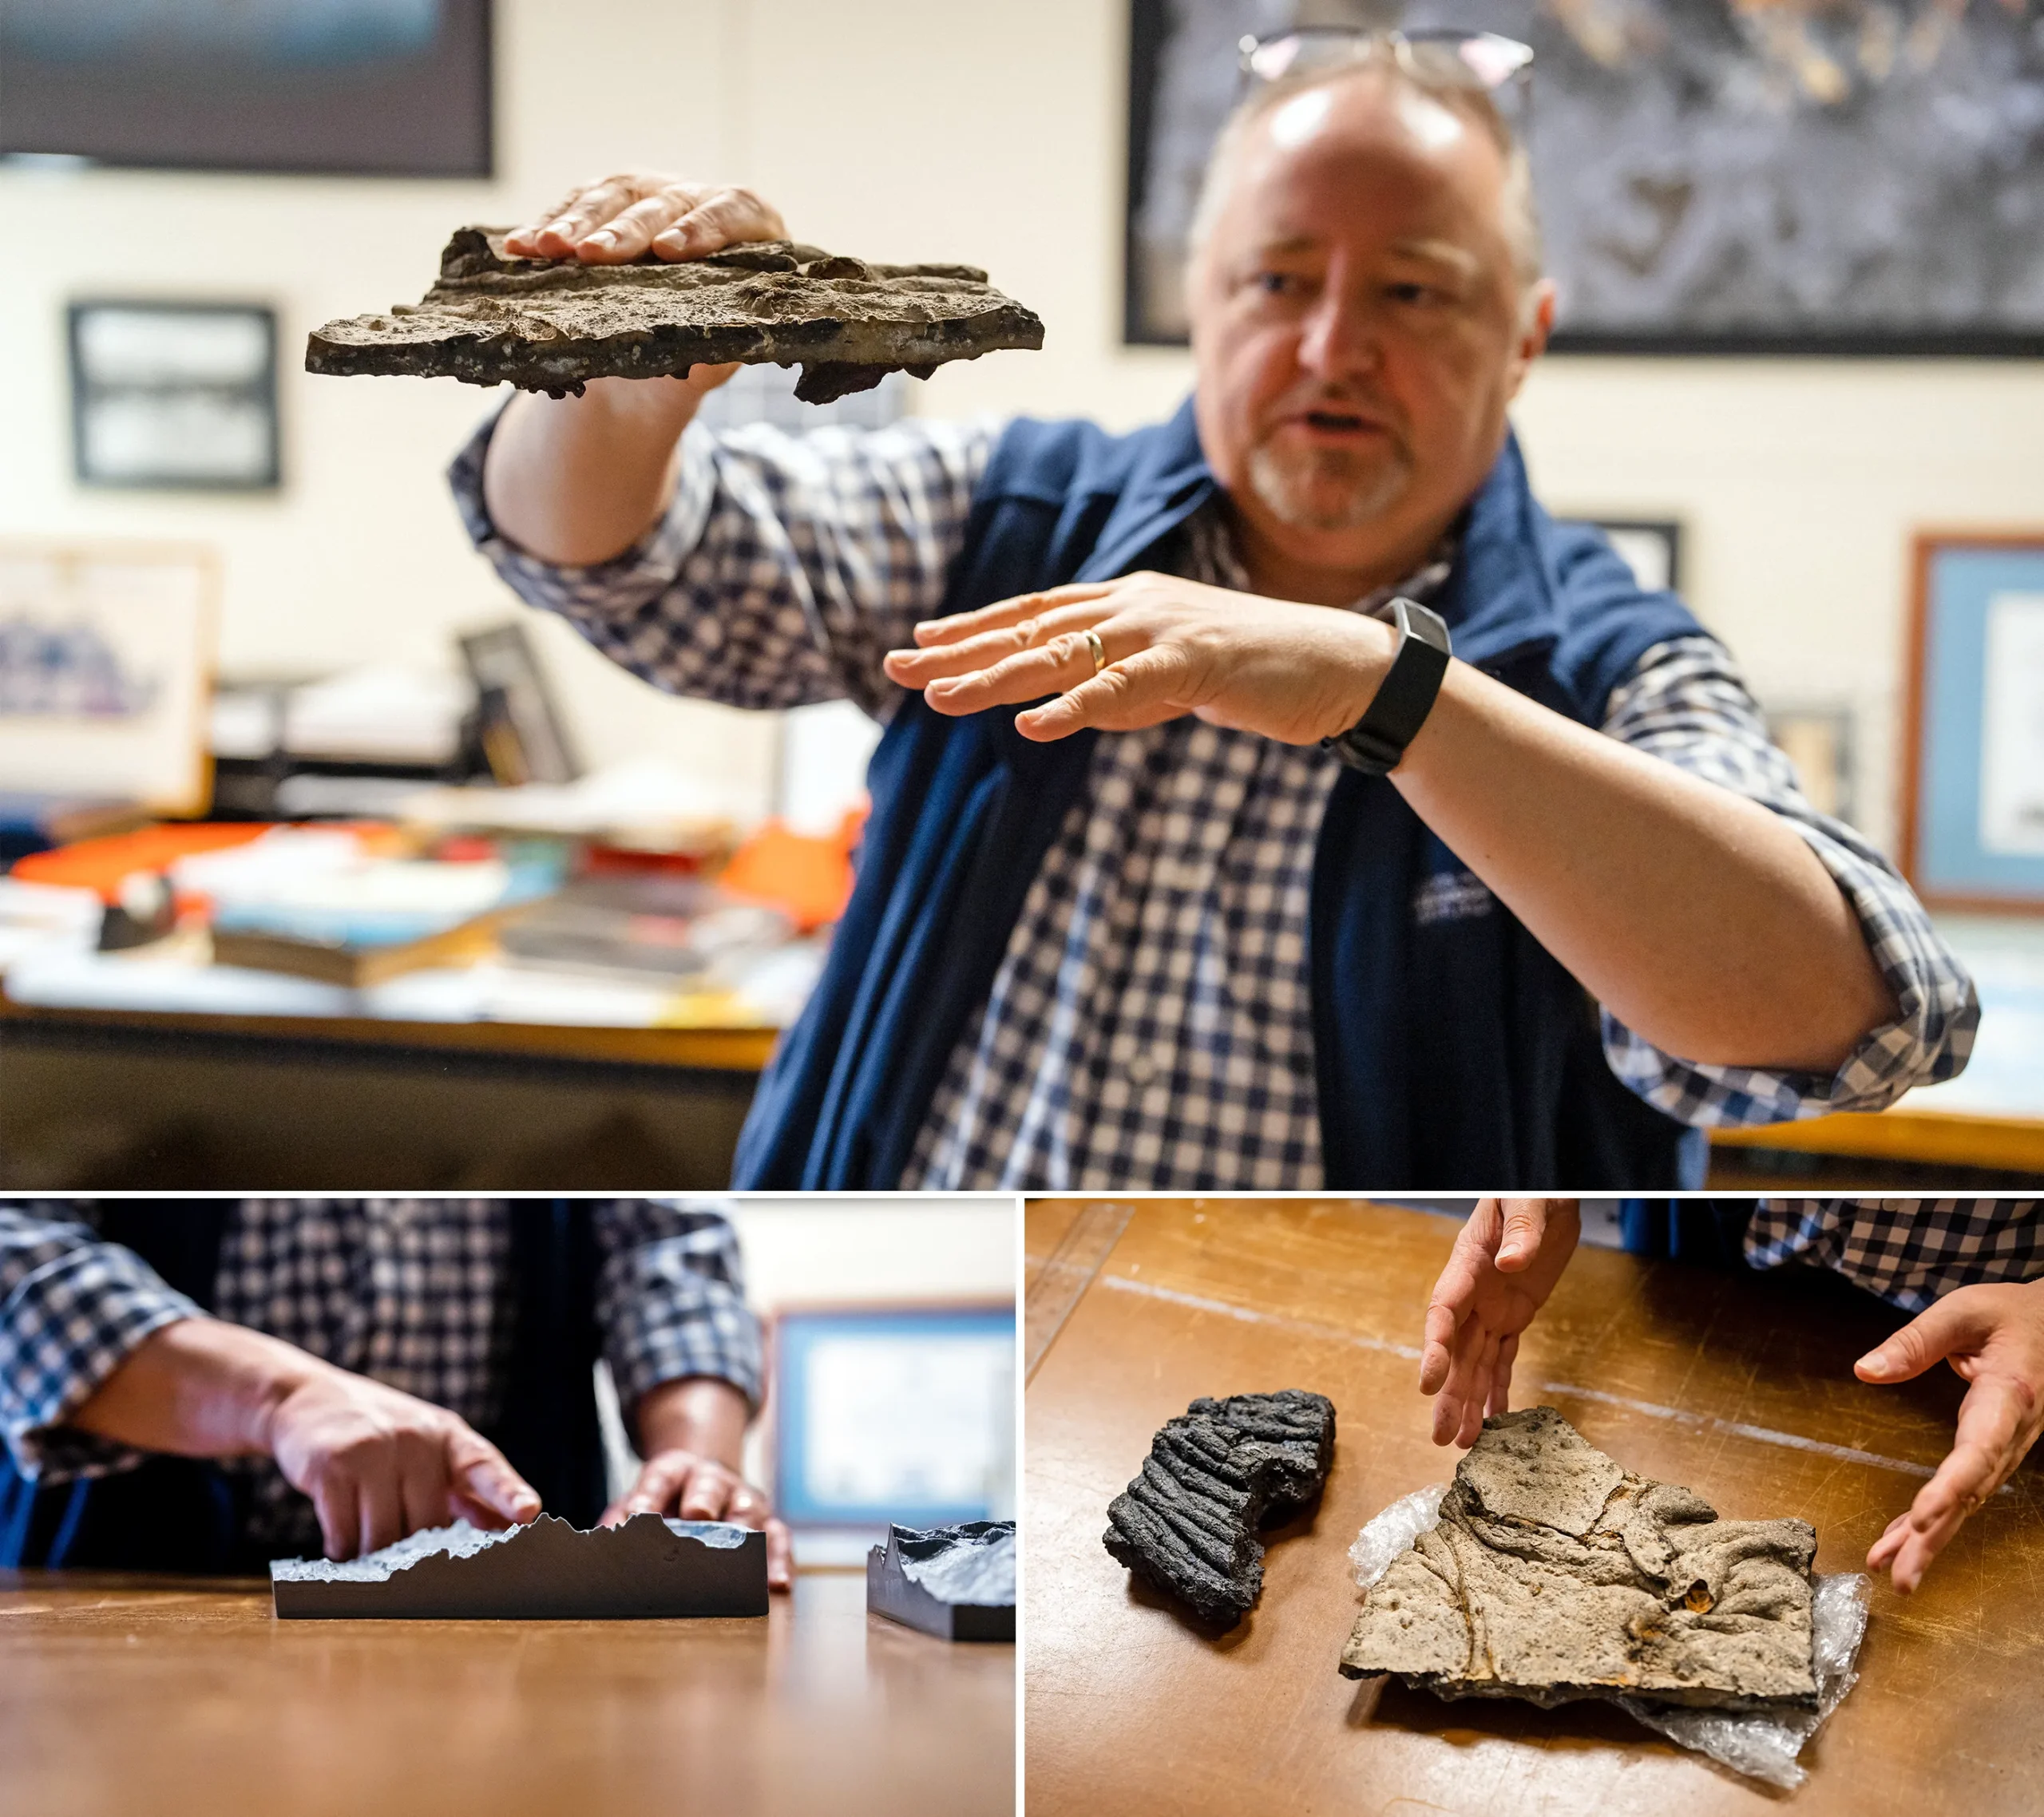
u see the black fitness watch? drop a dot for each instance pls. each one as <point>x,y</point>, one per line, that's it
<point>1403,698</point>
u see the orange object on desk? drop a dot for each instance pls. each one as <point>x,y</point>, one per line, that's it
<point>102,864</point>
<point>811,878</point>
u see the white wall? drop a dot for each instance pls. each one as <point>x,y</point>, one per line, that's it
<point>923,129</point>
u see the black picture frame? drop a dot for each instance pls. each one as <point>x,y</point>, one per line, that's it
<point>97,389</point>
<point>1665,534</point>
<point>429,115</point>
<point>1150,319</point>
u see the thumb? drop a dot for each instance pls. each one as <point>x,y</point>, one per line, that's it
<point>1525,1224</point>
<point>485,1473</point>
<point>1933,1334</point>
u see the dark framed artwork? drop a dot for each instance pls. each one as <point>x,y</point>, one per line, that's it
<point>174,394</point>
<point>1652,548</point>
<point>356,87</point>
<point>1973,749</point>
<point>1853,177</point>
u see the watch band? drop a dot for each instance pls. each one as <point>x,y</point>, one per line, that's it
<point>1405,696</point>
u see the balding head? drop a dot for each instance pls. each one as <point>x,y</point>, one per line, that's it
<point>1365,302</point>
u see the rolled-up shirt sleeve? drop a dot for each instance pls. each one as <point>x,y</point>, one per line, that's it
<point>1911,1251</point>
<point>1687,702</point>
<point>671,1300</point>
<point>72,1309</point>
<point>784,567</point>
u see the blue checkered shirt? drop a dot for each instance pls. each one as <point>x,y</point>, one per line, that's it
<point>1150,1026</point>
<point>414,1292</point>
<point>1909,1251</point>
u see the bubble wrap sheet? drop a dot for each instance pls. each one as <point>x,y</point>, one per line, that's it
<point>1762,1746</point>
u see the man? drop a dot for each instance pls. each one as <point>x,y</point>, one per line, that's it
<point>208,1385</point>
<point>1971,1270</point>
<point>1149,934</point>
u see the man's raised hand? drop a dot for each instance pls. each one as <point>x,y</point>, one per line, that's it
<point>617,219</point>
<point>1504,1264</point>
<point>1993,1336</point>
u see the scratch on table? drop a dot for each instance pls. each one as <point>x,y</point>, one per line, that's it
<point>1302,1328</point>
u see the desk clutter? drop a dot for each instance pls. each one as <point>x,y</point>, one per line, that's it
<point>392,919</point>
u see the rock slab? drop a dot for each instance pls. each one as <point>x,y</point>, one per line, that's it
<point>1215,1475</point>
<point>550,1570</point>
<point>1553,1574</point>
<point>955,1582</point>
<point>552,325</point>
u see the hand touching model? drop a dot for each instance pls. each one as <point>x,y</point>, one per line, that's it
<point>1511,1252</point>
<point>1503,1265</point>
<point>691,1433</point>
<point>1993,1337</point>
<point>378,1464</point>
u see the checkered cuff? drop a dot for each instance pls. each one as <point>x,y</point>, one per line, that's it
<point>75,1309</point>
<point>628,582</point>
<point>1930,1039</point>
<point>672,1301</point>
<point>1909,1251</point>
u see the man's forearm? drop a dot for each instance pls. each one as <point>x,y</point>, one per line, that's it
<point>574,480</point>
<point>201,1387</point>
<point>1700,920</point>
<point>702,1414</point>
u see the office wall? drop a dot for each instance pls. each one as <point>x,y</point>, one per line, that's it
<point>918,128</point>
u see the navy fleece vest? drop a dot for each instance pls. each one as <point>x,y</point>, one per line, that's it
<point>1453,1051</point>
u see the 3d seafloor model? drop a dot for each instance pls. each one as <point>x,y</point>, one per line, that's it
<point>552,325</point>
<point>955,1582</point>
<point>1553,1574</point>
<point>647,1567</point>
<point>1216,1475</point>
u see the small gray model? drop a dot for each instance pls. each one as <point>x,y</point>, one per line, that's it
<point>955,1582</point>
<point>647,1567</point>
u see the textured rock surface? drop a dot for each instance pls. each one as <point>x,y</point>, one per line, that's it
<point>1553,1574</point>
<point>549,1570</point>
<point>955,1582</point>
<point>551,325</point>
<point>1213,1476</point>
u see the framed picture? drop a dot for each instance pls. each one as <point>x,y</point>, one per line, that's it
<point>106,654</point>
<point>1973,776</point>
<point>1711,178</point>
<point>902,1413</point>
<point>354,88</point>
<point>174,394</point>
<point>1818,740</point>
<point>1652,548</point>
<point>524,739</point>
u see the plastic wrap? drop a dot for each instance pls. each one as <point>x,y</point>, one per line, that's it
<point>1762,1746</point>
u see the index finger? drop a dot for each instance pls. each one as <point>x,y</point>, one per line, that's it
<point>558,236</point>
<point>1004,612</point>
<point>485,1474</point>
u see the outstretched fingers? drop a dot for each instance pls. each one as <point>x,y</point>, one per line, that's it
<point>1131,692</point>
<point>1003,613</point>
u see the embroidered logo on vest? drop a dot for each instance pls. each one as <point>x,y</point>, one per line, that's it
<point>1451,896</point>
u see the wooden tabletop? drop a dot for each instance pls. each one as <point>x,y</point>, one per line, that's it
<point>1937,1138</point>
<point>1737,1385</point>
<point>715,1050</point>
<point>128,1695</point>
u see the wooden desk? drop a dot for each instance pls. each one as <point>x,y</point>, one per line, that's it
<point>1935,1139</point>
<point>1739,1387</point>
<point>130,1695</point>
<point>116,1099</point>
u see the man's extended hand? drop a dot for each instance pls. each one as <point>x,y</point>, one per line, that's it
<point>1504,1265</point>
<point>1993,1336</point>
<point>379,1464</point>
<point>1297,673</point>
<point>618,218</point>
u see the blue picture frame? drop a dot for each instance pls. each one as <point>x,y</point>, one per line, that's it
<point>797,1331</point>
<point>1973,792</point>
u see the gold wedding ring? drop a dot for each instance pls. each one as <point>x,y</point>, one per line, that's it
<point>1099,650</point>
